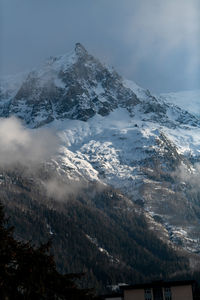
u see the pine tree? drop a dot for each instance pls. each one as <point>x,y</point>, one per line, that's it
<point>30,273</point>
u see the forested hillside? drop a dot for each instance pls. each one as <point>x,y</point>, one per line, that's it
<point>98,231</point>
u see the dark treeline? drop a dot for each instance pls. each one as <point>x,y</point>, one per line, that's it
<point>28,272</point>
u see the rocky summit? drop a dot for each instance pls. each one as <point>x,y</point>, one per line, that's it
<point>116,134</point>
<point>73,86</point>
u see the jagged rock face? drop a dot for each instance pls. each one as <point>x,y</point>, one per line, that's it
<point>77,86</point>
<point>78,90</point>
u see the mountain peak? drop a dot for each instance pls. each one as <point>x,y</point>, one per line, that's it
<point>80,49</point>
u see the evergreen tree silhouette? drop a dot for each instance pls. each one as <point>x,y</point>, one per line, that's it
<point>30,273</point>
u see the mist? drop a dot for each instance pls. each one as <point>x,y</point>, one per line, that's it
<point>61,189</point>
<point>152,42</point>
<point>189,176</point>
<point>25,147</point>
<point>29,151</point>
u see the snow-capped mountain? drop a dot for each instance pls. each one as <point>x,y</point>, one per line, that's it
<point>74,86</point>
<point>117,133</point>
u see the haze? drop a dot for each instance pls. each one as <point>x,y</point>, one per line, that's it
<point>153,42</point>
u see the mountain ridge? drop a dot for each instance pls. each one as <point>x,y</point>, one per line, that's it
<point>115,133</point>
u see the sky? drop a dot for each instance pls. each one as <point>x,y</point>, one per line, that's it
<point>152,42</point>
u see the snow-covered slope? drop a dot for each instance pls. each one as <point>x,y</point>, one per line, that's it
<point>115,132</point>
<point>74,86</point>
<point>187,100</point>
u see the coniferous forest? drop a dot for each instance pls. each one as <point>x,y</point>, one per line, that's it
<point>28,272</point>
<point>97,232</point>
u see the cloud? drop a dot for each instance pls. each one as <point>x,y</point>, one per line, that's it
<point>147,41</point>
<point>189,176</point>
<point>27,150</point>
<point>26,147</point>
<point>163,36</point>
<point>163,24</point>
<point>61,190</point>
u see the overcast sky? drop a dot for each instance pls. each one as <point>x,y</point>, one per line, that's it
<point>156,43</point>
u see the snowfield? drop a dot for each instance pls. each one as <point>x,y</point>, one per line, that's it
<point>187,100</point>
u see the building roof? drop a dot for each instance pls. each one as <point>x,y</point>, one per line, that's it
<point>157,284</point>
<point>115,295</point>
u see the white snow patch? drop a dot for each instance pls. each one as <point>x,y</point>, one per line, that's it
<point>104,251</point>
<point>187,100</point>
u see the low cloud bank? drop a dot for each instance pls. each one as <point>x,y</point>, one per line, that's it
<point>27,150</point>
<point>61,190</point>
<point>19,145</point>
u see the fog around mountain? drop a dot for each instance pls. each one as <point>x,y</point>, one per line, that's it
<point>155,43</point>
